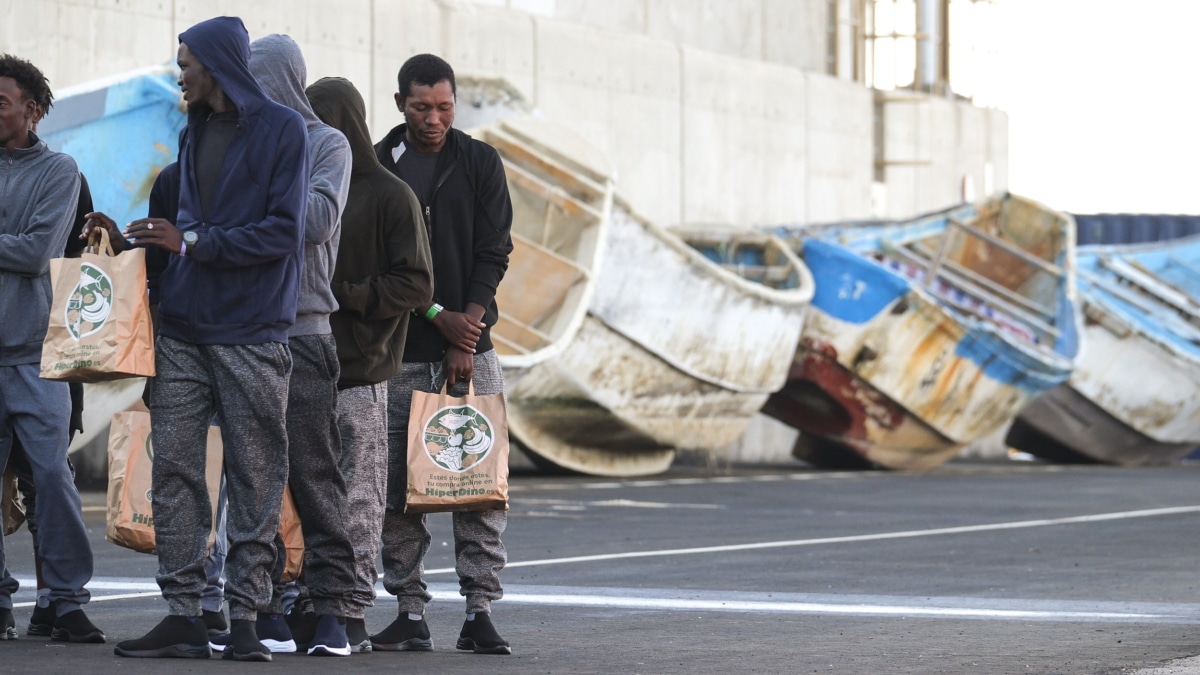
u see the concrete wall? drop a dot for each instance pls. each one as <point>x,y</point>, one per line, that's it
<point>713,111</point>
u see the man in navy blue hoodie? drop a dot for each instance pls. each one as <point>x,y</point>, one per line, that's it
<point>226,301</point>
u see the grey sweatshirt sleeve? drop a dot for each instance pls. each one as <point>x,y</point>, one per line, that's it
<point>51,212</point>
<point>328,186</point>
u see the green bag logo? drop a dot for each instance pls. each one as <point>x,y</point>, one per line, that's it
<point>90,303</point>
<point>458,437</point>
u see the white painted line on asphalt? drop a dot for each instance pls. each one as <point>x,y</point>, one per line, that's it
<point>567,503</point>
<point>881,536</point>
<point>777,603</point>
<point>807,608</point>
<point>661,482</point>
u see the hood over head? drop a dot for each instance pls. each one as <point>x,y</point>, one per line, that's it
<point>278,64</point>
<point>223,46</point>
<point>340,105</point>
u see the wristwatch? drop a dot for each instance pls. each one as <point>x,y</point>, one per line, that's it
<point>190,239</point>
<point>433,311</point>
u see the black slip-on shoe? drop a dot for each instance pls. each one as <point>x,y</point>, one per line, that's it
<point>357,636</point>
<point>42,620</point>
<point>74,626</point>
<point>243,643</point>
<point>215,623</point>
<point>403,635</point>
<point>480,636</point>
<point>175,637</point>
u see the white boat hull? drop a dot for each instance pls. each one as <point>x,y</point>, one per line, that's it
<point>1107,412</point>
<point>675,353</point>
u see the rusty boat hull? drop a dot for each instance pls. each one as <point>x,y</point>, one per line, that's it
<point>907,354</point>
<point>1134,399</point>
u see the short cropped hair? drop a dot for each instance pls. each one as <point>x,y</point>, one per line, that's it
<point>30,80</point>
<point>426,70</point>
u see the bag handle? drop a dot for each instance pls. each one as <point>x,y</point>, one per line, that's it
<point>470,387</point>
<point>98,242</point>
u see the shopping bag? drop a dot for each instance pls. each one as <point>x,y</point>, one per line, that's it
<point>130,520</point>
<point>100,317</point>
<point>293,537</point>
<point>11,506</point>
<point>457,453</point>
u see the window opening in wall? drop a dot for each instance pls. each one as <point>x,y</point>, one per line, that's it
<point>939,47</point>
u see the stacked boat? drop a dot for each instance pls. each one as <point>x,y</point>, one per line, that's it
<point>1134,398</point>
<point>929,334</point>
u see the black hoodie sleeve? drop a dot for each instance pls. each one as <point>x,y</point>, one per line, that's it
<point>493,224</point>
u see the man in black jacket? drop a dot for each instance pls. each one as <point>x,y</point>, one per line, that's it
<point>468,215</point>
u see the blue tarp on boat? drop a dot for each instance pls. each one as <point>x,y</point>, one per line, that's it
<point>121,131</point>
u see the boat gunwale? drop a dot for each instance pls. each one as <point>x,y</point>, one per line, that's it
<point>799,296</point>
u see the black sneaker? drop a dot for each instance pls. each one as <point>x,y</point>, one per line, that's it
<point>215,623</point>
<point>274,634</point>
<point>302,626</point>
<point>403,635</point>
<point>480,636</point>
<point>356,635</point>
<point>42,620</point>
<point>175,637</point>
<point>244,644</point>
<point>8,625</point>
<point>74,626</point>
<point>330,638</point>
<point>270,636</point>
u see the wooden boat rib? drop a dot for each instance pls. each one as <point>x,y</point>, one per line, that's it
<point>1142,325</point>
<point>676,352</point>
<point>926,335</point>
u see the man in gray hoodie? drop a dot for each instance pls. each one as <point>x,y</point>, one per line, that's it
<point>314,445</point>
<point>39,193</point>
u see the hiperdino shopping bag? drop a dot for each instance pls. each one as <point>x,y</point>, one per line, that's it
<point>457,453</point>
<point>100,317</point>
<point>130,464</point>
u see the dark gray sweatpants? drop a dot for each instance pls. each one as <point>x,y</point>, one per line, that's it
<point>479,553</point>
<point>362,419</point>
<point>246,385</point>
<point>318,488</point>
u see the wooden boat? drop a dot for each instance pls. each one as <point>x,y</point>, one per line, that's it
<point>121,131</point>
<point>1134,399</point>
<point>676,351</point>
<point>929,334</point>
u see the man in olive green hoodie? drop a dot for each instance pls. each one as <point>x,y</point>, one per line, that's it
<point>383,272</point>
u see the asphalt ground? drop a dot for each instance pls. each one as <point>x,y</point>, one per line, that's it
<point>972,568</point>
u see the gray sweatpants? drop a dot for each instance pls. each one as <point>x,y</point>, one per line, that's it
<point>478,552</point>
<point>362,418</point>
<point>38,412</point>
<point>246,385</point>
<point>318,489</point>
